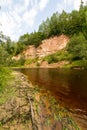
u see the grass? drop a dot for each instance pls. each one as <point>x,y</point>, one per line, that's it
<point>4,77</point>
<point>30,61</point>
<point>58,56</point>
<point>6,89</point>
<point>77,64</point>
<point>65,56</point>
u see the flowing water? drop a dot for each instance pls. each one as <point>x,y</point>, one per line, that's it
<point>68,86</point>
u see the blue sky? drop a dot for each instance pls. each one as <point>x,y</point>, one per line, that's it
<point>18,17</point>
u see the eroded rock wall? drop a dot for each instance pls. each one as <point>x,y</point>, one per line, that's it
<point>52,45</point>
<point>48,46</point>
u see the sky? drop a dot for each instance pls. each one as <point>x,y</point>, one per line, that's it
<point>18,17</point>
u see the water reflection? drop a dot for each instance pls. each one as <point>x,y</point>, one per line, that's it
<point>70,86</point>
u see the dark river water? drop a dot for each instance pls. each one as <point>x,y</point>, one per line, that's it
<point>68,86</point>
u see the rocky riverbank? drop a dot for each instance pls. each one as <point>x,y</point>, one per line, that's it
<point>32,108</point>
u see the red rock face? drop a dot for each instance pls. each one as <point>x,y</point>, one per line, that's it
<point>30,52</point>
<point>52,45</point>
<point>48,46</point>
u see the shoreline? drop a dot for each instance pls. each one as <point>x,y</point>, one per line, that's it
<point>34,106</point>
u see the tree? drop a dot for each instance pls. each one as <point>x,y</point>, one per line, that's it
<point>78,47</point>
<point>81,5</point>
<point>4,57</point>
<point>53,25</point>
<point>24,39</point>
<point>44,28</point>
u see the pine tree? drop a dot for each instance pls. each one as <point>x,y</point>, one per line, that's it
<point>81,5</point>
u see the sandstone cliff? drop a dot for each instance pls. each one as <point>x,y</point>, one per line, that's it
<point>48,46</point>
<point>52,45</point>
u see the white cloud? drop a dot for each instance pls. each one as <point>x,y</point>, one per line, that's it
<point>68,2</point>
<point>74,3</point>
<point>26,3</point>
<point>6,2</point>
<point>43,4</point>
<point>60,7</point>
<point>69,5</point>
<point>8,24</point>
<point>77,4</point>
<point>16,17</point>
<point>29,16</point>
<point>18,8</point>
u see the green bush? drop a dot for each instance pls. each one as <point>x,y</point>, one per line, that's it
<point>30,61</point>
<point>37,64</point>
<point>51,59</point>
<point>21,61</point>
<point>14,63</point>
<point>77,47</point>
<point>58,56</point>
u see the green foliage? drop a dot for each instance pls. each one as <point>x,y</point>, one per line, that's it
<point>58,56</point>
<point>31,39</point>
<point>78,47</point>
<point>44,28</point>
<point>6,85</point>
<point>80,64</point>
<point>4,78</point>
<point>67,23</point>
<point>51,59</point>
<point>21,61</point>
<point>4,57</point>
<point>37,64</point>
<point>15,63</point>
<point>30,61</point>
<point>18,48</point>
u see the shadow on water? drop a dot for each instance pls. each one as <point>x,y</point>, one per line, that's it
<point>68,86</point>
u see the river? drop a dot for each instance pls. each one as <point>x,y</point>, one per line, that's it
<point>68,86</point>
